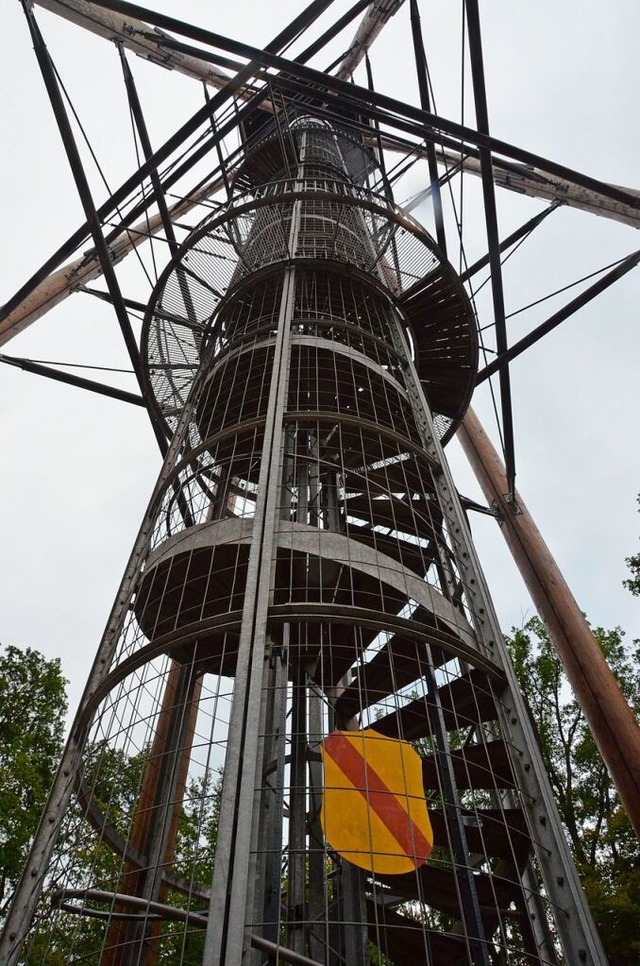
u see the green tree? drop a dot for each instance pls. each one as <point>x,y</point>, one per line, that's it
<point>602,840</point>
<point>83,859</point>
<point>633,563</point>
<point>32,709</point>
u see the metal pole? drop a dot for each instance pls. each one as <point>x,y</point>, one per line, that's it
<point>491,218</point>
<point>425,103</point>
<point>69,379</point>
<point>564,313</point>
<point>91,214</point>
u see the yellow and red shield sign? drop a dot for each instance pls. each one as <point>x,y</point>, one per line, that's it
<point>373,808</point>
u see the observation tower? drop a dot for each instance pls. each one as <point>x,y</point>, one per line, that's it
<point>303,607</point>
<point>305,567</point>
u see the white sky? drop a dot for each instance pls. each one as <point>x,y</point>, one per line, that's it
<point>77,469</point>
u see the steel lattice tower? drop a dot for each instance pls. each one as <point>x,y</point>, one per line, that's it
<point>304,565</point>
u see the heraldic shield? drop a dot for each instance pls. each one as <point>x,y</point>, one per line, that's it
<point>374,812</point>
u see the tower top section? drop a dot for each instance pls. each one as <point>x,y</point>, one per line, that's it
<point>301,196</point>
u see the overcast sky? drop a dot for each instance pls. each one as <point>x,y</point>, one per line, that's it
<point>77,469</point>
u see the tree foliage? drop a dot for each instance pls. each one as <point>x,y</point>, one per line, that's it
<point>633,563</point>
<point>602,840</point>
<point>32,709</point>
<point>84,859</point>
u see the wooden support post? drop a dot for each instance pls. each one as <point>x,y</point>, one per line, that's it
<point>613,723</point>
<point>175,723</point>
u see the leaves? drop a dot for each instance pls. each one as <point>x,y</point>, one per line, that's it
<point>32,709</point>
<point>633,563</point>
<point>603,843</point>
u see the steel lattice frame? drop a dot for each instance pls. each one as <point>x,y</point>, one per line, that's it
<point>304,564</point>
